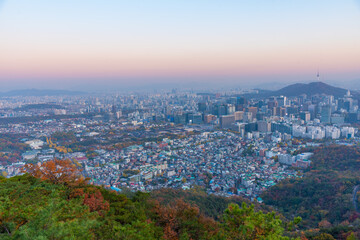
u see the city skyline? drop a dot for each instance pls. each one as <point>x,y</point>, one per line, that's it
<point>92,45</point>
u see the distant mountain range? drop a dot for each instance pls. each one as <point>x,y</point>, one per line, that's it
<point>40,93</point>
<point>308,89</point>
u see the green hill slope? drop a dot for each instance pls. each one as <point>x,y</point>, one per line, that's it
<point>34,209</point>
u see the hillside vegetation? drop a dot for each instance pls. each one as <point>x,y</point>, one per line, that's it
<point>57,205</point>
<point>54,201</point>
<point>323,198</point>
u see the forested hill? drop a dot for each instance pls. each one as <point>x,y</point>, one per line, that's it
<point>311,89</point>
<point>56,203</point>
<point>324,196</point>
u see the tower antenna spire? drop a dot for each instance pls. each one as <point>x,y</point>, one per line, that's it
<point>318,76</point>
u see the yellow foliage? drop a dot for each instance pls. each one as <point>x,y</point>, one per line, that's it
<point>77,163</point>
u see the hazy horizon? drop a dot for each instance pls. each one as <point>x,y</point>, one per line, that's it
<point>195,86</point>
<point>89,45</point>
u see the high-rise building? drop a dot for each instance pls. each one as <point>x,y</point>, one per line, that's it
<point>272,103</point>
<point>208,118</point>
<point>118,114</point>
<point>264,126</point>
<point>281,101</point>
<point>260,116</point>
<point>251,127</point>
<point>325,114</point>
<point>227,121</point>
<point>180,119</point>
<point>248,117</point>
<point>220,110</point>
<point>292,110</point>
<point>282,111</point>
<point>305,116</point>
<point>194,118</point>
<point>241,101</point>
<point>202,106</point>
<point>239,115</point>
<point>230,109</point>
<point>338,119</point>
<point>253,110</point>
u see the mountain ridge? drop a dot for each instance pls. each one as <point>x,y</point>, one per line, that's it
<point>40,92</point>
<point>297,89</point>
<point>311,89</point>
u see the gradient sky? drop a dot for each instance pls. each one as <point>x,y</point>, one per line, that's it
<point>113,43</point>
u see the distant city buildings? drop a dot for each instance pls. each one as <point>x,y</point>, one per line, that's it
<point>226,142</point>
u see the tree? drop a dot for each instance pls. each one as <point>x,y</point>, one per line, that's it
<point>96,202</point>
<point>351,237</point>
<point>181,220</point>
<point>324,224</point>
<point>245,223</point>
<point>35,209</point>
<point>324,236</point>
<point>56,171</point>
<point>4,173</point>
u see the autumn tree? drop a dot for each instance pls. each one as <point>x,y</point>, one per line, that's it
<point>324,224</point>
<point>351,237</point>
<point>56,171</point>
<point>246,223</point>
<point>95,202</point>
<point>181,220</point>
<point>324,236</point>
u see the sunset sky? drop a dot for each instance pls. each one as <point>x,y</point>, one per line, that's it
<point>88,44</point>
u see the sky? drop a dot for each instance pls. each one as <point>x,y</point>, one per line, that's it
<point>114,44</point>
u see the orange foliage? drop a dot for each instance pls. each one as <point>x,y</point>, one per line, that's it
<point>324,224</point>
<point>303,237</point>
<point>175,217</point>
<point>57,171</point>
<point>77,192</point>
<point>96,202</point>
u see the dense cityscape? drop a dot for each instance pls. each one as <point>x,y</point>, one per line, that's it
<point>230,143</point>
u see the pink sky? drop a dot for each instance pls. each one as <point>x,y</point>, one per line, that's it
<point>45,42</point>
